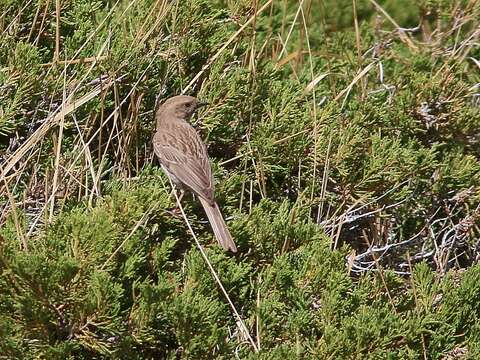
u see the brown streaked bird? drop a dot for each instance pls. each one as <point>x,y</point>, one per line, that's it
<point>184,158</point>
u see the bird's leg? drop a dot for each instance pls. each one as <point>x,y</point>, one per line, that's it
<point>180,196</point>
<point>176,210</point>
<point>182,192</point>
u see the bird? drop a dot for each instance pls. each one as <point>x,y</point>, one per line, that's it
<point>183,157</point>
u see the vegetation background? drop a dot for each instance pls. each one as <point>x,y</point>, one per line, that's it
<point>344,136</point>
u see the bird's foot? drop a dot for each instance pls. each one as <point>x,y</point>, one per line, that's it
<point>175,212</point>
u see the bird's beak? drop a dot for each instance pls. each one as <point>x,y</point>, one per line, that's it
<point>201,103</point>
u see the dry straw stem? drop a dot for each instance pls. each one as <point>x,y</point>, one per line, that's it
<point>314,101</point>
<point>143,220</point>
<point>86,144</point>
<point>311,85</point>
<point>356,79</point>
<point>57,30</point>
<point>403,35</point>
<point>251,151</point>
<point>463,50</point>
<point>18,226</point>
<point>415,298</point>
<point>77,61</point>
<point>42,23</point>
<point>18,16</point>
<point>307,89</point>
<point>227,43</point>
<point>242,327</point>
<point>358,43</point>
<point>59,146</point>
<point>64,109</point>
<point>284,45</point>
<point>50,122</point>
<point>314,81</point>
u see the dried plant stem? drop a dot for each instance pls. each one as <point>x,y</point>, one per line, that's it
<point>227,43</point>
<point>240,321</point>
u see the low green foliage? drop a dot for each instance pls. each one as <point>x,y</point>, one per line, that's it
<point>347,162</point>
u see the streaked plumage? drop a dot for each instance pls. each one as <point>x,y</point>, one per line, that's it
<point>184,158</point>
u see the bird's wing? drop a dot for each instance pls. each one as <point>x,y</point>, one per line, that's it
<point>182,152</point>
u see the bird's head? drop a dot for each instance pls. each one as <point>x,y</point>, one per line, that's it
<point>181,106</point>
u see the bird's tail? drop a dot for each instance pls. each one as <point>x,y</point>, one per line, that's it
<point>218,225</point>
